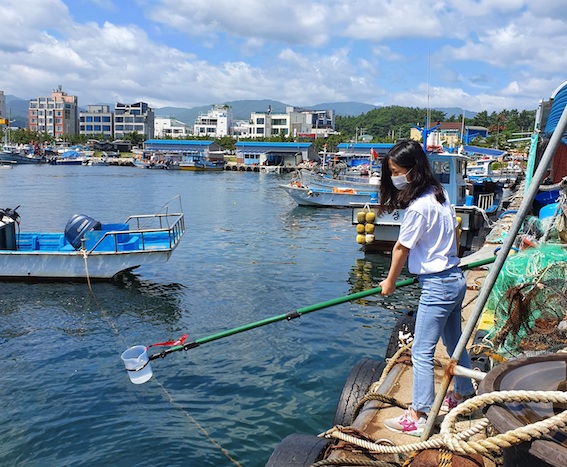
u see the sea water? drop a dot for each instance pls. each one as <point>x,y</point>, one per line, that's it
<point>249,253</point>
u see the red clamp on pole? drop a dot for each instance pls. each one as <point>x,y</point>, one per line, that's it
<point>179,341</point>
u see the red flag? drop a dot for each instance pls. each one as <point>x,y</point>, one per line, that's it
<point>374,154</point>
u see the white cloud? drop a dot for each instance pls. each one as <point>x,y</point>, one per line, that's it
<point>197,52</point>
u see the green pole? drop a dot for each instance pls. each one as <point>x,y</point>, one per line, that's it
<point>297,313</point>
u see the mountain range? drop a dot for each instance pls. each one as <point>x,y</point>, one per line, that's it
<point>17,110</point>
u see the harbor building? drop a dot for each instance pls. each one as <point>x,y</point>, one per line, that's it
<point>268,154</point>
<point>97,120</point>
<point>170,127</point>
<point>204,149</point>
<point>133,118</point>
<point>217,122</point>
<point>294,123</point>
<point>56,115</point>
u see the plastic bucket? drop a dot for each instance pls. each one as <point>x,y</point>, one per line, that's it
<point>137,364</point>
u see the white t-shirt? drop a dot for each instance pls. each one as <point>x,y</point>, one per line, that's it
<point>428,230</point>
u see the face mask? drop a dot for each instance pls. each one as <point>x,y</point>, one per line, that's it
<point>400,181</point>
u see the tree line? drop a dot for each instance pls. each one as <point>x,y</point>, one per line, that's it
<point>383,125</point>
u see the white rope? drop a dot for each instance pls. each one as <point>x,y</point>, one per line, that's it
<point>454,441</point>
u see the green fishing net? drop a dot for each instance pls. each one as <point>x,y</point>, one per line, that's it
<point>529,300</point>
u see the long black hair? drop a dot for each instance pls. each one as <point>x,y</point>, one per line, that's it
<point>410,155</point>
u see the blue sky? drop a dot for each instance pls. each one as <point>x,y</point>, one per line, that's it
<point>471,54</point>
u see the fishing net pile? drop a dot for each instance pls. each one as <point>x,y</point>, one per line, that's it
<point>529,300</point>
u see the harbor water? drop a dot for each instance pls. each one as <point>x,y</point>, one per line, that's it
<point>249,253</point>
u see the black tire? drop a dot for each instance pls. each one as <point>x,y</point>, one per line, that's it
<point>361,377</point>
<point>297,450</point>
<point>401,335</point>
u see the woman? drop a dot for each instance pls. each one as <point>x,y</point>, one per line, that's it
<point>427,240</point>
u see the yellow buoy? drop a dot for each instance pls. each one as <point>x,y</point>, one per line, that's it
<point>361,239</point>
<point>360,229</point>
<point>370,217</point>
<point>361,217</point>
<point>368,228</point>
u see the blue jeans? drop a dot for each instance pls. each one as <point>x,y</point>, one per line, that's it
<point>438,315</point>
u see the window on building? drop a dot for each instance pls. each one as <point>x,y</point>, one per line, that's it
<point>260,121</point>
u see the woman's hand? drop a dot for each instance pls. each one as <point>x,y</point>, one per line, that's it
<point>388,287</point>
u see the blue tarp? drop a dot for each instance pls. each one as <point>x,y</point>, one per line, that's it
<point>70,154</point>
<point>559,101</point>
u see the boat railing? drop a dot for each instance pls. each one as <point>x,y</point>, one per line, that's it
<point>147,232</point>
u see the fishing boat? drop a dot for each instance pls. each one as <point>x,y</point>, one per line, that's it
<point>195,162</point>
<point>87,248</point>
<point>336,197</point>
<point>474,204</point>
<point>318,179</point>
<point>14,155</point>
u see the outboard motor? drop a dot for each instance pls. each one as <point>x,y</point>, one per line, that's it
<point>78,226</point>
<point>8,219</point>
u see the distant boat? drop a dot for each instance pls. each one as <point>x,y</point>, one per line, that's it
<point>482,169</point>
<point>70,157</point>
<point>13,155</point>
<point>198,163</point>
<point>87,249</point>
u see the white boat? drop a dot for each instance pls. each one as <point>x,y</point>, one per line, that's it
<point>87,249</point>
<point>482,169</point>
<point>70,157</point>
<point>312,179</point>
<point>335,197</point>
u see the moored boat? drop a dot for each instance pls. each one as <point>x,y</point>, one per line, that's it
<point>87,248</point>
<point>335,197</point>
<point>13,155</point>
<point>200,164</point>
<point>377,233</point>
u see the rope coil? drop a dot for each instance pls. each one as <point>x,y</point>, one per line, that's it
<point>455,441</point>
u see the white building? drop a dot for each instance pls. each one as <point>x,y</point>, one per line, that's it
<point>170,128</point>
<point>133,118</point>
<point>57,115</point>
<point>217,122</point>
<point>97,120</point>
<point>241,128</point>
<point>294,123</point>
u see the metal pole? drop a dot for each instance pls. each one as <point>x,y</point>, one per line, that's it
<point>495,270</point>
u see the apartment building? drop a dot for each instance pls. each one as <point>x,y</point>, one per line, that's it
<point>170,128</point>
<point>57,115</point>
<point>97,120</point>
<point>217,122</point>
<point>293,123</point>
<point>133,118</point>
